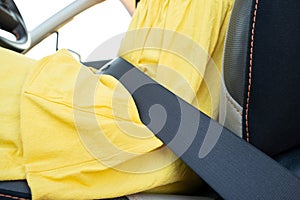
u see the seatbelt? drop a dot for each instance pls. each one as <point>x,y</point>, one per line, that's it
<point>232,167</point>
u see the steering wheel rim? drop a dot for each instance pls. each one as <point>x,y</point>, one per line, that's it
<point>17,28</point>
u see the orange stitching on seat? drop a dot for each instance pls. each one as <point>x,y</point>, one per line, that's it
<point>12,197</point>
<point>250,71</point>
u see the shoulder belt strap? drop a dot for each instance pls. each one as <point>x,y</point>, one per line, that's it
<point>231,166</point>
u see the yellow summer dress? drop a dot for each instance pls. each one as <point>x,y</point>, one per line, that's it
<point>73,134</point>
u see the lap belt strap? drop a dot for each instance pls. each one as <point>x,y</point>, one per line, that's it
<point>232,167</point>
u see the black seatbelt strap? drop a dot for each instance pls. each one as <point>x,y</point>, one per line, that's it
<point>231,166</point>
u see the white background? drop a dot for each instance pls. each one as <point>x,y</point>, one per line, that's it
<point>84,33</point>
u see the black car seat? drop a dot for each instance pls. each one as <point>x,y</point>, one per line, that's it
<point>260,93</point>
<point>261,75</point>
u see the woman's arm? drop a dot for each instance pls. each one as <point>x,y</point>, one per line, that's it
<point>130,5</point>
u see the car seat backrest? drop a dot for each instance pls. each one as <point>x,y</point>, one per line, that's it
<point>262,74</point>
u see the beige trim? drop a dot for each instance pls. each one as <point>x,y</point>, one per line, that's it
<point>230,112</point>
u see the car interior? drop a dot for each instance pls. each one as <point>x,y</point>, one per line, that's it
<point>259,103</point>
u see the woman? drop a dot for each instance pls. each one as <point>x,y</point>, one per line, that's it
<point>74,134</point>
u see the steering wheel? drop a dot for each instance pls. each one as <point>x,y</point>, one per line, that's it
<point>12,22</point>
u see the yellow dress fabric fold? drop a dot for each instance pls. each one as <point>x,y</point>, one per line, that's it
<point>13,71</point>
<point>78,134</point>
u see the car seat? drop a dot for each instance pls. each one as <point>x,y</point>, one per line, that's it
<point>259,95</point>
